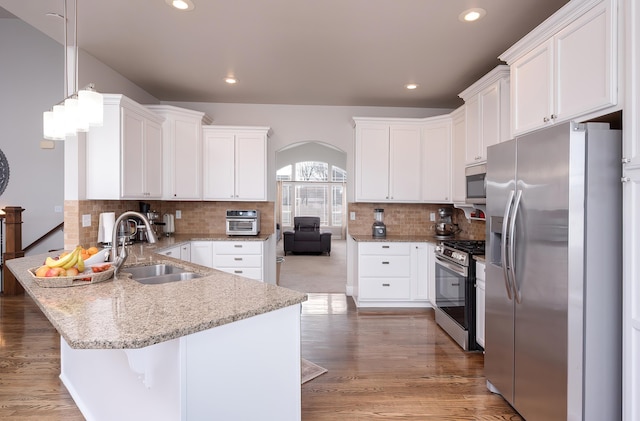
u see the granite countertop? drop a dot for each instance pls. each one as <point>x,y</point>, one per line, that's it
<point>176,239</point>
<point>122,313</point>
<point>402,238</point>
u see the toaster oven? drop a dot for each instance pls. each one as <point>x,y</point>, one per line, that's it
<point>243,222</point>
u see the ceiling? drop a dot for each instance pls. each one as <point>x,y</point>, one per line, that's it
<point>311,52</point>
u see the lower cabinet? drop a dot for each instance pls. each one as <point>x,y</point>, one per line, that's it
<point>242,258</point>
<point>202,253</point>
<point>480,300</point>
<point>392,274</point>
<point>182,252</point>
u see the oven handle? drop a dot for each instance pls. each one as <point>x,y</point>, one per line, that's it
<point>512,247</point>
<point>503,244</point>
<point>460,270</point>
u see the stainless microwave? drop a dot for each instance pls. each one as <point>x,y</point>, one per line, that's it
<point>476,184</point>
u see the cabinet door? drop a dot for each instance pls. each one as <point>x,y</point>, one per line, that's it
<point>186,160</point>
<point>490,118</point>
<point>459,130</point>
<point>133,150</point>
<point>404,163</point>
<point>218,165</point>
<point>185,252</point>
<point>372,162</point>
<point>431,268</point>
<point>152,160</point>
<point>585,68</point>
<point>472,140</point>
<point>420,275</point>
<point>202,253</point>
<point>532,89</point>
<point>250,166</point>
<point>436,160</point>
<point>480,303</point>
<point>171,252</point>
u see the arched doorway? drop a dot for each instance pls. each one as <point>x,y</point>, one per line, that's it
<point>311,181</point>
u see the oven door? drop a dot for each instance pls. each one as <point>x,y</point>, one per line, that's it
<point>451,290</point>
<point>241,226</point>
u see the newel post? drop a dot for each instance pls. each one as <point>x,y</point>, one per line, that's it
<point>13,248</point>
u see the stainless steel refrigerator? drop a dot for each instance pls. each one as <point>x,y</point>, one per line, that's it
<point>553,339</point>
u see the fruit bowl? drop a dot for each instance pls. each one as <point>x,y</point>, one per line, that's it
<point>84,278</point>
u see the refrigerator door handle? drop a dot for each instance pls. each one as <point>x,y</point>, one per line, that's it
<point>512,247</point>
<point>503,243</point>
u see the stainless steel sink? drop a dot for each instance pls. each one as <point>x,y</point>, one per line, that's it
<point>171,277</point>
<point>159,274</point>
<point>138,272</point>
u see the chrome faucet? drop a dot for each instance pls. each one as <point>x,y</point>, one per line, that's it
<point>116,258</point>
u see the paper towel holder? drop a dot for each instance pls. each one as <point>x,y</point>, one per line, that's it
<point>169,224</point>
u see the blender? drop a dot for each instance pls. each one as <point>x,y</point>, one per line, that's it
<point>379,228</point>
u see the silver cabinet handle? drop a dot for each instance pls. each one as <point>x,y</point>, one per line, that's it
<point>625,160</point>
<point>625,179</point>
<point>386,285</point>
<point>237,259</point>
<point>238,246</point>
<point>385,263</point>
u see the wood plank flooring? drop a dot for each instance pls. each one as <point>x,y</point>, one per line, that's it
<point>383,365</point>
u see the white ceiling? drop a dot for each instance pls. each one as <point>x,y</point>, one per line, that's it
<point>320,52</point>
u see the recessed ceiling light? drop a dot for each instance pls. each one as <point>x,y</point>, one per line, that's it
<point>231,80</point>
<point>411,86</point>
<point>185,5</point>
<point>472,15</point>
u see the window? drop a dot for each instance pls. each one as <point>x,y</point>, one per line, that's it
<point>316,189</point>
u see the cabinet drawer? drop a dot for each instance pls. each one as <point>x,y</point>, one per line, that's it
<point>238,247</point>
<point>385,266</point>
<point>238,261</point>
<point>385,289</point>
<point>253,273</point>
<point>384,248</point>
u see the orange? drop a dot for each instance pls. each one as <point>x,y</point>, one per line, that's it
<point>85,255</point>
<point>92,250</point>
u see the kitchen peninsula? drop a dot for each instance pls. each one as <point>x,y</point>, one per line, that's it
<point>216,347</point>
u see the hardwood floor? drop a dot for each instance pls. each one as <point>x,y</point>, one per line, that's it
<point>386,365</point>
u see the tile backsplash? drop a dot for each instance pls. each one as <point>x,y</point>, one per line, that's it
<point>197,217</point>
<point>410,219</point>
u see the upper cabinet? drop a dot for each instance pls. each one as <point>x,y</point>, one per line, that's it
<point>436,160</point>
<point>569,73</point>
<point>182,146</point>
<point>124,156</point>
<point>235,163</point>
<point>486,114</point>
<point>388,161</point>
<point>458,150</point>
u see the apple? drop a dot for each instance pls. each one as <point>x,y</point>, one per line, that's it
<point>41,272</point>
<point>72,271</point>
<point>53,272</point>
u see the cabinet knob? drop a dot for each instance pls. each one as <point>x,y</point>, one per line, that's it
<point>545,120</point>
<point>625,160</point>
<point>625,179</point>
<point>553,116</point>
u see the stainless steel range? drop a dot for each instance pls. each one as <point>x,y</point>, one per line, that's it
<point>455,290</point>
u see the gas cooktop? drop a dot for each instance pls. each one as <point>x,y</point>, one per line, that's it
<point>473,247</point>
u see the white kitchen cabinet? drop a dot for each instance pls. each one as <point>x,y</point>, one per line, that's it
<point>243,258</point>
<point>388,162</point>
<point>436,160</point>
<point>392,274</point>
<point>480,303</point>
<point>124,156</point>
<point>182,146</point>
<point>202,253</point>
<point>572,74</point>
<point>458,157</point>
<point>431,273</point>
<point>182,252</point>
<point>486,114</point>
<point>235,163</point>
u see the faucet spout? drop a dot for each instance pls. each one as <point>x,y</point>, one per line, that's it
<point>118,259</point>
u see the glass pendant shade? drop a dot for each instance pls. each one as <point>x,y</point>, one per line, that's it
<point>49,126</point>
<point>73,118</point>
<point>59,120</point>
<point>90,102</point>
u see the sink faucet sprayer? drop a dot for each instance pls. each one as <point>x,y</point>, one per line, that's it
<point>116,258</point>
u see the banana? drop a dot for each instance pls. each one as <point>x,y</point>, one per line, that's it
<point>73,261</point>
<point>80,263</point>
<point>61,262</point>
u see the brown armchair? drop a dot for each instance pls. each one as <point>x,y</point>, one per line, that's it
<point>306,237</point>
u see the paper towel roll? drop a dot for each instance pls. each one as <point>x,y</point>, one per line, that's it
<point>169,227</point>
<point>105,226</point>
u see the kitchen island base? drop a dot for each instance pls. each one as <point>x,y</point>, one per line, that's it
<point>245,370</point>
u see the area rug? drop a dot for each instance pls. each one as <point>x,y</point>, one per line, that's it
<point>309,370</point>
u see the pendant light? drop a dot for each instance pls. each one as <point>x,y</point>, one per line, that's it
<point>80,110</point>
